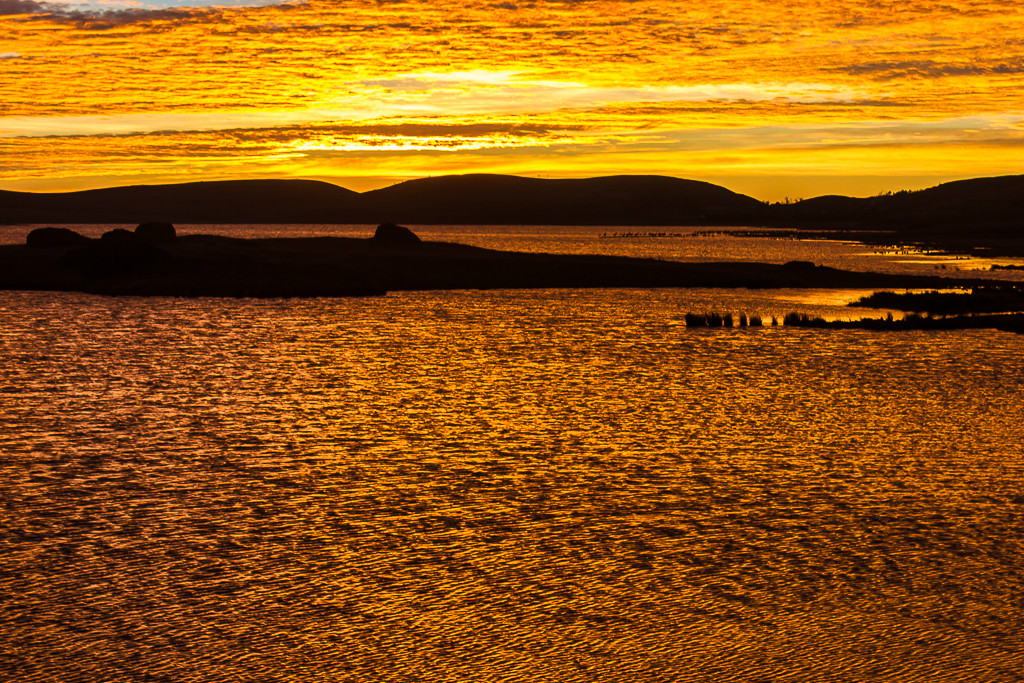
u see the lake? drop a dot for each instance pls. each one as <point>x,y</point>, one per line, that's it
<point>549,485</point>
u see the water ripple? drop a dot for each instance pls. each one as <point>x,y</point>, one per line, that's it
<point>535,486</point>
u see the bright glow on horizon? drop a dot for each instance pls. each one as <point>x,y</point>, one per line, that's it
<point>811,98</point>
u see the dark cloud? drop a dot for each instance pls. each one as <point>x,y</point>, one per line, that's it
<point>99,21</point>
<point>397,129</point>
<point>105,19</point>
<point>888,70</point>
<point>21,7</point>
<point>271,136</point>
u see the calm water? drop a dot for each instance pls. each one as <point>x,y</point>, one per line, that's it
<point>690,245</point>
<point>503,486</point>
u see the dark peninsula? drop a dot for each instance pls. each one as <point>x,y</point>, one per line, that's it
<point>152,261</point>
<point>995,298</point>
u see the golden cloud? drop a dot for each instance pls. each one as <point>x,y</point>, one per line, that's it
<point>300,87</point>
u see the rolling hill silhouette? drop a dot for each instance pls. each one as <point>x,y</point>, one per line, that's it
<point>513,200</point>
<point>229,201</point>
<point>991,208</point>
<point>469,199</point>
<point>988,205</point>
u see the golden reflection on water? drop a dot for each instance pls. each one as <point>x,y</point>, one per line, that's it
<point>536,486</point>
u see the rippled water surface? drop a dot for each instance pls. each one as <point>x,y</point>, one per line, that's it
<point>501,486</point>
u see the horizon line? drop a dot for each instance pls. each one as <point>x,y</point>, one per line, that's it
<point>391,182</point>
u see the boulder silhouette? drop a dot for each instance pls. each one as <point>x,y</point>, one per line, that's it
<point>157,232</point>
<point>120,237</point>
<point>395,234</point>
<point>117,252</point>
<point>55,237</point>
<point>799,265</point>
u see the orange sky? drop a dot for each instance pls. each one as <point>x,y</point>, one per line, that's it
<point>772,98</point>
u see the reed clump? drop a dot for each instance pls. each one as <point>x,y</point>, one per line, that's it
<point>715,319</point>
<point>803,320</point>
<point>705,320</point>
<point>1010,322</point>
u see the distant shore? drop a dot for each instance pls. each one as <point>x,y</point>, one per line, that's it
<point>980,216</point>
<point>123,263</point>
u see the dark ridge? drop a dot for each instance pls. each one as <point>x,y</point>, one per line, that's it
<point>229,201</point>
<point>982,215</point>
<point>512,200</point>
<point>469,199</point>
<point>992,207</point>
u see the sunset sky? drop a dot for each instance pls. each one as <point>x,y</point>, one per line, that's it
<point>772,98</point>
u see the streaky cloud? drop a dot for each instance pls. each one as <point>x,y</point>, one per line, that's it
<point>113,13</point>
<point>14,7</point>
<point>926,68</point>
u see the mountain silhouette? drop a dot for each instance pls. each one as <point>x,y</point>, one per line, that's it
<point>512,200</point>
<point>961,210</point>
<point>229,201</point>
<point>468,199</point>
<point>986,206</point>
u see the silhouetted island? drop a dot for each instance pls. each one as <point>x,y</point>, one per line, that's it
<point>1007,322</point>
<point>156,262</point>
<point>1007,297</point>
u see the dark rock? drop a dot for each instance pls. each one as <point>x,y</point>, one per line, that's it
<point>120,236</point>
<point>117,252</point>
<point>156,232</point>
<point>55,237</point>
<point>799,265</point>
<point>395,234</point>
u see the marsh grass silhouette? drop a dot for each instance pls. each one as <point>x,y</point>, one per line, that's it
<point>912,321</point>
<point>1003,298</point>
<point>714,319</point>
<point>1010,322</point>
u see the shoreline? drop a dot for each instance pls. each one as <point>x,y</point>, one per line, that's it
<point>122,263</point>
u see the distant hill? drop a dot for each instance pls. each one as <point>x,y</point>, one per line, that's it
<point>989,206</point>
<point>967,209</point>
<point>513,200</point>
<point>469,199</point>
<point>230,201</point>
